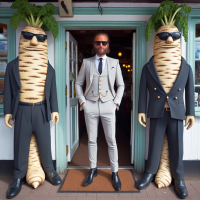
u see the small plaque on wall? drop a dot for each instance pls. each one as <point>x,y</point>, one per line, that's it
<point>65,8</point>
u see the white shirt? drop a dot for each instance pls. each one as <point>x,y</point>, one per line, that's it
<point>97,60</point>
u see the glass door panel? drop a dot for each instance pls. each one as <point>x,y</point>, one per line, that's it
<point>72,101</point>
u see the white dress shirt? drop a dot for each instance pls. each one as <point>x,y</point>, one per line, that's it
<point>97,60</point>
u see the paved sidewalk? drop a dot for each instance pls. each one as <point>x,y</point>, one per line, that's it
<point>49,192</point>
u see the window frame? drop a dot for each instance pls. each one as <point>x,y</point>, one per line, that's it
<point>11,47</point>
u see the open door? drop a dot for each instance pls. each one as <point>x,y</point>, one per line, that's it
<point>133,101</point>
<point>71,100</point>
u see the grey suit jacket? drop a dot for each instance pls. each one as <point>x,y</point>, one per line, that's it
<point>86,73</point>
<point>12,89</point>
<point>150,80</point>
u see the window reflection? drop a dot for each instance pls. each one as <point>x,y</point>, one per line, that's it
<point>197,30</point>
<point>3,31</point>
<point>197,97</point>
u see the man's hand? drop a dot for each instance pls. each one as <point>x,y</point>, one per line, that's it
<point>142,118</point>
<point>189,121</point>
<point>55,116</point>
<point>116,104</point>
<point>82,104</point>
<point>8,117</point>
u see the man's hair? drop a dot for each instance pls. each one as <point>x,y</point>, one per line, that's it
<point>101,33</point>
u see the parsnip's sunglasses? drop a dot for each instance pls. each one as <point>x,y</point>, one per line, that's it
<point>165,35</point>
<point>29,36</point>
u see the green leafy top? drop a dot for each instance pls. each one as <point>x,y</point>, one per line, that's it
<point>34,15</point>
<point>168,14</point>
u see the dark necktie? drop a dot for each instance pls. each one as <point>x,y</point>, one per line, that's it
<point>100,66</point>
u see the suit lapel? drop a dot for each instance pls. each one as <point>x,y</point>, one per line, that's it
<point>152,70</point>
<point>181,74</point>
<point>16,71</point>
<point>108,65</point>
<point>92,65</point>
<point>48,78</point>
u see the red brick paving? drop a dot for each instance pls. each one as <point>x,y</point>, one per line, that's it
<point>49,192</point>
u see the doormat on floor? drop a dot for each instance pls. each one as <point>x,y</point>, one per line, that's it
<point>73,181</point>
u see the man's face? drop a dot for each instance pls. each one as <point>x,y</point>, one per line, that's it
<point>101,49</point>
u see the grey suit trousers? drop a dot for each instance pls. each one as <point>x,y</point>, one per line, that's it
<point>174,130</point>
<point>30,120</point>
<point>106,111</point>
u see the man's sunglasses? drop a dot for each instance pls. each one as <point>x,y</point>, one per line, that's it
<point>98,43</point>
<point>165,35</point>
<point>29,36</point>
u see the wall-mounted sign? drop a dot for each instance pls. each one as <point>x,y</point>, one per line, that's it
<point>65,8</point>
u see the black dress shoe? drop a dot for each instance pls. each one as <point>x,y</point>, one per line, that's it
<point>53,177</point>
<point>92,173</point>
<point>145,181</point>
<point>15,188</point>
<point>180,188</point>
<point>116,181</point>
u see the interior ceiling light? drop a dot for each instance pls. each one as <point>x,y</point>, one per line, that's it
<point>120,54</point>
<point>129,66</point>
<point>124,65</point>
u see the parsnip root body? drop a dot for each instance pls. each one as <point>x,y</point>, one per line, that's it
<point>163,176</point>
<point>35,175</point>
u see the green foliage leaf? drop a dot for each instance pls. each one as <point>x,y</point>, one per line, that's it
<point>51,24</point>
<point>17,18</point>
<point>47,9</point>
<point>186,8</point>
<point>181,21</point>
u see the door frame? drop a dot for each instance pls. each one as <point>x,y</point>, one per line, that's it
<point>141,59</point>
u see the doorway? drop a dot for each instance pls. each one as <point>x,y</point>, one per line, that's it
<point>121,47</point>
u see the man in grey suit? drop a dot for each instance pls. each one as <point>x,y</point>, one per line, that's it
<point>100,100</point>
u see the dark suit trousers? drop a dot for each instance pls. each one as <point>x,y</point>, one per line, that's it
<point>30,120</point>
<point>174,130</point>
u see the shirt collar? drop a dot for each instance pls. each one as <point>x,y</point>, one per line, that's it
<point>97,57</point>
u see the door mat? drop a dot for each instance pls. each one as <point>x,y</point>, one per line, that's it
<point>73,181</point>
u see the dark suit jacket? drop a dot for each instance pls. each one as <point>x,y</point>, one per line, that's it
<point>150,80</point>
<point>12,89</point>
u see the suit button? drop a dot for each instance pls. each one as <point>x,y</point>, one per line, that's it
<point>48,94</point>
<point>15,93</point>
<point>176,98</point>
<point>167,97</point>
<point>100,80</point>
<point>179,89</point>
<point>158,97</point>
<point>155,88</point>
<point>99,84</point>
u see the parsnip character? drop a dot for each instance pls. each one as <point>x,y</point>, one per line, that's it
<point>166,76</point>
<point>31,99</point>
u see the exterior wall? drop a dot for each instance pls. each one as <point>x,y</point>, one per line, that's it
<point>191,138</point>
